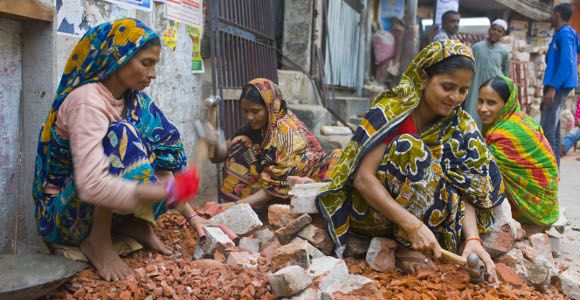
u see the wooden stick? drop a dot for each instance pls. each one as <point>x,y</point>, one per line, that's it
<point>454,258</point>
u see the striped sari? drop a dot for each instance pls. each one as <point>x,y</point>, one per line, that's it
<point>526,161</point>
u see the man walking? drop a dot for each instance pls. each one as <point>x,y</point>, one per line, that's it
<point>491,59</point>
<point>450,23</point>
<point>561,74</point>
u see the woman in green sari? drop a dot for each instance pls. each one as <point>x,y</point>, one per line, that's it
<point>417,168</point>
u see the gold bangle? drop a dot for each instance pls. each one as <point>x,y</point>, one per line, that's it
<point>412,230</point>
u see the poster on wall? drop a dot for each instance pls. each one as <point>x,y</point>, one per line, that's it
<point>75,17</point>
<point>145,5</point>
<point>195,33</point>
<point>444,6</point>
<point>189,12</point>
<point>391,9</point>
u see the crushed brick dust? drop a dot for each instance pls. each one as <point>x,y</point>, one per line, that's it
<point>179,277</point>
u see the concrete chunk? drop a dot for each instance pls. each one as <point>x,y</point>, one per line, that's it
<point>289,281</point>
<point>288,232</point>
<point>311,293</point>
<point>327,270</point>
<point>353,287</point>
<point>250,244</point>
<point>381,255</point>
<point>241,219</point>
<point>291,254</point>
<point>570,284</point>
<point>303,197</point>
<point>356,247</point>
<point>246,259</point>
<point>541,244</point>
<point>312,251</point>
<point>216,240</point>
<point>318,238</point>
<point>279,215</point>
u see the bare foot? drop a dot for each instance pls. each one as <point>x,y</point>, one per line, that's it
<point>104,258</point>
<point>143,233</point>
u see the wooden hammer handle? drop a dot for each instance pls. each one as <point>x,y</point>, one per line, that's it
<point>452,257</point>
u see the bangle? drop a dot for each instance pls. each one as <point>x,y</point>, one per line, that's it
<point>191,216</point>
<point>473,239</point>
<point>415,228</point>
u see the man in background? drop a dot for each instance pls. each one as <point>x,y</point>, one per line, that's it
<point>450,23</point>
<point>491,59</point>
<point>561,74</point>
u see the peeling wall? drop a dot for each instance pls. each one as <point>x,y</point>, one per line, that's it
<point>10,87</point>
<point>32,58</point>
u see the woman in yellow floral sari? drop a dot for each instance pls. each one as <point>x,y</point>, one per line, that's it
<point>417,168</point>
<point>273,148</point>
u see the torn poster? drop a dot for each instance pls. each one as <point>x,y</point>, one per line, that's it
<point>196,60</point>
<point>75,17</point>
<point>145,5</point>
<point>189,12</point>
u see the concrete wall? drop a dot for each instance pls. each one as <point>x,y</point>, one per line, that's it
<point>10,87</point>
<point>32,58</point>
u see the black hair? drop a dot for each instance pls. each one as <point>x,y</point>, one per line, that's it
<point>251,93</point>
<point>565,10</point>
<point>499,86</point>
<point>451,64</point>
<point>152,43</point>
<point>448,14</point>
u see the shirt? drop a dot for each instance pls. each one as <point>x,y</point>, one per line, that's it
<point>562,60</point>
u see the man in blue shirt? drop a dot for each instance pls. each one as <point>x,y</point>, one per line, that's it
<point>561,74</point>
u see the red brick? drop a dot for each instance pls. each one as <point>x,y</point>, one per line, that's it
<point>381,255</point>
<point>509,275</point>
<point>292,254</point>
<point>279,215</point>
<point>499,242</point>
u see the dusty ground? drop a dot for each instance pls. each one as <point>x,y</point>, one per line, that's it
<point>180,277</point>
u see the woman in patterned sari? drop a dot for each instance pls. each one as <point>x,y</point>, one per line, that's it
<point>523,154</point>
<point>417,169</point>
<point>275,147</point>
<point>106,153</point>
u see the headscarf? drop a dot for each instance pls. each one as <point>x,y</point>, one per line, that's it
<point>454,140</point>
<point>288,147</point>
<point>100,52</point>
<point>526,161</point>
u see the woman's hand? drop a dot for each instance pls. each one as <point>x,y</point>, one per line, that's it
<point>198,223</point>
<point>423,239</point>
<point>474,246</point>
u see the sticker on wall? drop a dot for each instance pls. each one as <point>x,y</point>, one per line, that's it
<point>196,60</point>
<point>70,18</point>
<point>189,12</point>
<point>169,36</point>
<point>145,5</point>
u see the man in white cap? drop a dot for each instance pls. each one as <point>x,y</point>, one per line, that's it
<point>491,59</point>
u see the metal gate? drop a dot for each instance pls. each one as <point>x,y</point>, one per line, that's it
<point>243,48</point>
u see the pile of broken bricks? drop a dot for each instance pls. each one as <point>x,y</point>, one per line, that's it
<point>289,257</point>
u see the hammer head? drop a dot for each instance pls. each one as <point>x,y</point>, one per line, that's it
<point>476,268</point>
<point>213,101</point>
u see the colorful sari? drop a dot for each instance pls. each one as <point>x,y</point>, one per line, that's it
<point>146,141</point>
<point>430,175</point>
<point>526,161</point>
<point>288,148</point>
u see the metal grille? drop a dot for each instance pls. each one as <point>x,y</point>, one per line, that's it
<point>243,48</point>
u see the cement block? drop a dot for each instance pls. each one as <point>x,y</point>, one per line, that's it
<point>312,251</point>
<point>311,293</point>
<point>279,215</point>
<point>541,244</point>
<point>327,270</point>
<point>347,107</point>
<point>570,284</point>
<point>216,240</point>
<point>241,219</point>
<point>333,142</point>
<point>303,197</point>
<point>289,281</point>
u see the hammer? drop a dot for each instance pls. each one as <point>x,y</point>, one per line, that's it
<point>473,264</point>
<point>212,103</point>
